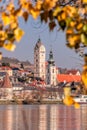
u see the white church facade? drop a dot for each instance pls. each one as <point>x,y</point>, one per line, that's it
<point>47,72</point>
<point>51,75</point>
<point>39,60</point>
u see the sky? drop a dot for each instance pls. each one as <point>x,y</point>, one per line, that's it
<point>63,56</point>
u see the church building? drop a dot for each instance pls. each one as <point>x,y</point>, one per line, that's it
<point>51,71</point>
<point>39,60</point>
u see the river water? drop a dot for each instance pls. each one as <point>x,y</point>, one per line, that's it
<point>43,117</point>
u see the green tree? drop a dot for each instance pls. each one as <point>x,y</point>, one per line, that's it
<point>5,64</point>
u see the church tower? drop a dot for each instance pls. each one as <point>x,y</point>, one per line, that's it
<point>51,71</point>
<point>39,60</point>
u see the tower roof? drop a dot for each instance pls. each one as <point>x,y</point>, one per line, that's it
<point>38,44</point>
<point>6,82</point>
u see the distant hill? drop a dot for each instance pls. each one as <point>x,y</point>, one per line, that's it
<point>14,61</point>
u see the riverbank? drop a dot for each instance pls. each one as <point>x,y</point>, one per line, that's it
<point>25,102</point>
<point>42,102</point>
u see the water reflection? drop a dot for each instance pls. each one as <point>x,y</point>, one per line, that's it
<point>84,116</point>
<point>43,117</point>
<point>6,118</point>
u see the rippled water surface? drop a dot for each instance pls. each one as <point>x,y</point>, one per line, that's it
<point>42,117</point>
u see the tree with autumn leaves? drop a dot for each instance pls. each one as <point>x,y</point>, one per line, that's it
<point>68,15</point>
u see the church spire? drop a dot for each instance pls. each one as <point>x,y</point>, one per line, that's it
<point>39,40</point>
<point>51,60</point>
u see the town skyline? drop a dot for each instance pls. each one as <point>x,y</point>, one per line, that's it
<point>63,56</point>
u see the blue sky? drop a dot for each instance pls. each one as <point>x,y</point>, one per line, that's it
<point>63,56</point>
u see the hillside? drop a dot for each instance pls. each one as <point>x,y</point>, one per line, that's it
<point>14,61</point>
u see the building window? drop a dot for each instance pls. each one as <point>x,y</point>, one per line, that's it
<point>36,60</point>
<point>36,66</point>
<point>48,70</point>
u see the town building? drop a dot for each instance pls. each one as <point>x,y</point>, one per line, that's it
<point>51,73</point>
<point>39,60</point>
<point>6,89</point>
<point>7,70</point>
<point>73,72</point>
<point>68,78</point>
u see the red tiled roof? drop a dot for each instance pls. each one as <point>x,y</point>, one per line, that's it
<point>23,71</point>
<point>6,82</point>
<point>46,63</point>
<point>5,68</point>
<point>73,71</point>
<point>68,78</point>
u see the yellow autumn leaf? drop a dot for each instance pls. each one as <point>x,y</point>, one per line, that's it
<point>76,105</point>
<point>35,13</point>
<point>63,16</point>
<point>25,5</point>
<point>85,59</point>
<point>0,55</point>
<point>79,26</point>
<point>70,10</point>
<point>85,67</point>
<point>84,77</point>
<point>59,18</point>
<point>13,25</point>
<point>10,6</point>
<point>73,40</point>
<point>68,100</point>
<point>18,12</point>
<point>18,34</point>
<point>84,39</point>
<point>9,46</point>
<point>82,11</point>
<point>84,1</point>
<point>72,23</point>
<point>56,11</point>
<point>53,3</point>
<point>49,4</point>
<point>1,44</point>
<point>22,1</point>
<point>38,4</point>
<point>69,31</point>
<point>3,35</point>
<point>67,91</point>
<point>5,19</point>
<point>12,18</point>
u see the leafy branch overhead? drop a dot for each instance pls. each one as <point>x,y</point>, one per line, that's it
<point>68,15</point>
